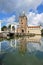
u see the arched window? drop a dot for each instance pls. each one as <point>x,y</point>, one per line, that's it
<point>22,31</point>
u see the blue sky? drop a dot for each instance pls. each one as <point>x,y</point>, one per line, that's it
<point>10,10</point>
<point>40,8</point>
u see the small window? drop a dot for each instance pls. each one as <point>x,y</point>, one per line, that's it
<point>22,30</point>
<point>22,23</point>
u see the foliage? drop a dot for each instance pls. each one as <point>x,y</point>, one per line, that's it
<point>42,31</point>
<point>4,27</point>
<point>9,26</point>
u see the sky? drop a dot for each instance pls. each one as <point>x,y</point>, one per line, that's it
<point>10,10</point>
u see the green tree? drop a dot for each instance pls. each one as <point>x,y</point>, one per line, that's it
<point>4,28</point>
<point>13,27</point>
<point>9,26</point>
<point>42,31</point>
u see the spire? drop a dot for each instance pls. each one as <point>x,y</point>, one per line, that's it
<point>23,13</point>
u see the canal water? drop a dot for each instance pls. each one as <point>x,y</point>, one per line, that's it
<point>22,51</point>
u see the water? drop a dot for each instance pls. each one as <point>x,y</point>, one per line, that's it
<point>22,51</point>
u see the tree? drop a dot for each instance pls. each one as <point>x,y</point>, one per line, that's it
<point>4,28</point>
<point>9,27</point>
<point>13,27</point>
<point>42,31</point>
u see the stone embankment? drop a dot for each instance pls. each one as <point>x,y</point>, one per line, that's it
<point>3,35</point>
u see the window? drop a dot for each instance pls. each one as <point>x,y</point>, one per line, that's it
<point>22,23</point>
<point>22,30</point>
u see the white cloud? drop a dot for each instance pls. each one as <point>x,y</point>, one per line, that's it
<point>35,19</point>
<point>35,46</point>
<point>10,20</point>
<point>18,6</point>
<point>10,6</point>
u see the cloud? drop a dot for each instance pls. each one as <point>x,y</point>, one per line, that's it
<point>9,20</point>
<point>16,7</point>
<point>10,6</point>
<point>35,19</point>
<point>34,46</point>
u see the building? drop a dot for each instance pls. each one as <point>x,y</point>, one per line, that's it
<point>23,28</point>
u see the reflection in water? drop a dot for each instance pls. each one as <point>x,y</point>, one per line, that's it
<point>25,43</point>
<point>0,47</point>
<point>22,51</point>
<point>22,46</point>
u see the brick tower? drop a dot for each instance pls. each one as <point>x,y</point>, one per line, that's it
<point>23,23</point>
